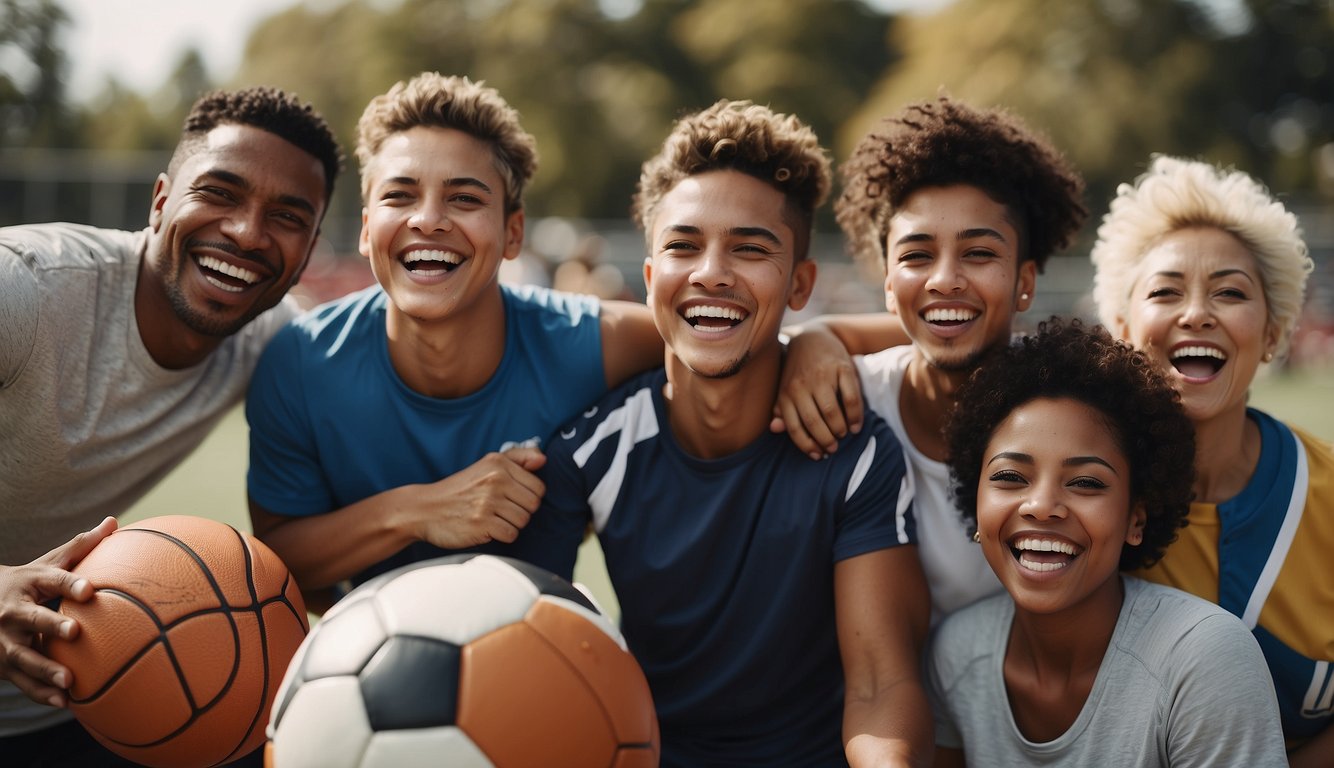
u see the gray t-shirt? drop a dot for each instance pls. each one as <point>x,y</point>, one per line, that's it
<point>89,423</point>
<point>1183,683</point>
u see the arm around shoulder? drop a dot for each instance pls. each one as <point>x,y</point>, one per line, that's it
<point>630,341</point>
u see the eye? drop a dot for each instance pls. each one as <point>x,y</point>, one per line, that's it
<point>980,254</point>
<point>467,199</point>
<point>679,245</point>
<point>1233,293</point>
<point>215,192</point>
<point>1159,293</point>
<point>752,248</point>
<point>1007,477</point>
<point>910,257</point>
<point>291,219</point>
<point>1085,482</point>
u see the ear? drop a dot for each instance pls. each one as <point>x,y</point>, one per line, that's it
<point>364,240</point>
<point>1271,341</point>
<point>648,280</point>
<point>889,293</point>
<point>1121,328</point>
<point>514,234</point>
<point>161,188</point>
<point>803,283</point>
<point>1135,533</point>
<point>1028,280</point>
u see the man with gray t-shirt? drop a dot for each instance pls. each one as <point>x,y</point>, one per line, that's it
<point>119,351</point>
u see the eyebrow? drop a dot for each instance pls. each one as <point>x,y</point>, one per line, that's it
<point>1073,461</point>
<point>460,181</point>
<point>965,234</point>
<point>1212,275</point>
<point>295,201</point>
<point>760,232</point>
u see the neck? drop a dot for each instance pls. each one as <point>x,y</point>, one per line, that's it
<point>1070,642</point>
<point>712,418</point>
<point>448,358</point>
<point>925,403</point>
<point>170,342</point>
<point>1227,450</point>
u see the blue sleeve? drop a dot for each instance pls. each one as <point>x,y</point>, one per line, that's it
<point>877,507</point>
<point>285,476</point>
<point>562,520</point>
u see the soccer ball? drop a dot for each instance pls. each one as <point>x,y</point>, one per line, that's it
<point>467,660</point>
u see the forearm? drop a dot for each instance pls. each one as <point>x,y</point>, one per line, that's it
<point>889,726</point>
<point>859,334</point>
<point>323,550</point>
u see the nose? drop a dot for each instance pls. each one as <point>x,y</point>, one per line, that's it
<point>1196,313</point>
<point>712,269</point>
<point>430,215</point>
<point>945,275</point>
<point>1044,502</point>
<point>245,226</point>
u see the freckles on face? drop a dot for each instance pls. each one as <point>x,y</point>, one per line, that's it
<point>1054,507</point>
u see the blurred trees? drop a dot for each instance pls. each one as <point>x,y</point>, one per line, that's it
<point>33,109</point>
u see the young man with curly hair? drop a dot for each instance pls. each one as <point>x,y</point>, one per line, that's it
<point>1072,460</point>
<point>119,351</point>
<point>961,207</point>
<point>776,603</point>
<point>402,422</point>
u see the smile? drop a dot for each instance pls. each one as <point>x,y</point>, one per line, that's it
<point>1198,361</point>
<point>212,264</point>
<point>713,319</point>
<point>949,315</point>
<point>432,262</point>
<point>1043,554</point>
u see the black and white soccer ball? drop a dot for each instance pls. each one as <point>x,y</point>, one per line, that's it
<point>467,660</point>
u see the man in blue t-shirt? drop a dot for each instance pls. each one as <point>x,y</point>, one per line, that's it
<point>402,421</point>
<point>776,603</point>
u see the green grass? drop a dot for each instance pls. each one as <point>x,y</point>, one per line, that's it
<point>211,482</point>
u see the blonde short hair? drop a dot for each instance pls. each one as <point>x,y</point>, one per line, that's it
<point>1176,194</point>
<point>432,99</point>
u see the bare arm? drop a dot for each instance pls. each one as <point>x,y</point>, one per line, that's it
<point>1316,753</point>
<point>23,618</point>
<point>819,398</point>
<point>630,340</point>
<point>883,611</point>
<point>489,501</point>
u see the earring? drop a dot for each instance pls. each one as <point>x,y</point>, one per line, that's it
<point>977,537</point>
<point>1024,296</point>
<point>1267,356</point>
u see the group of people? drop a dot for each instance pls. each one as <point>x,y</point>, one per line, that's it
<point>897,539</point>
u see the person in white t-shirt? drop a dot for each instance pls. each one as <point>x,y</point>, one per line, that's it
<point>961,208</point>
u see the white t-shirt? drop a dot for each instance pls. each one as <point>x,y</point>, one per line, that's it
<point>955,568</point>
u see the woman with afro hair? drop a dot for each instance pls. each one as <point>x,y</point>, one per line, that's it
<point>1072,461</point>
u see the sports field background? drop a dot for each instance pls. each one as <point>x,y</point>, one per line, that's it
<point>211,482</point>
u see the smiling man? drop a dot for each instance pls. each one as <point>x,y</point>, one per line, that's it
<point>775,603</point>
<point>119,351</point>
<point>404,421</point>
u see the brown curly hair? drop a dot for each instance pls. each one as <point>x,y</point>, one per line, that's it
<point>433,99</point>
<point>944,142</point>
<point>738,135</point>
<point>1086,365</point>
<point>271,109</point>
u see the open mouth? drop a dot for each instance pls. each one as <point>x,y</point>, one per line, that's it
<point>227,277</point>
<point>1042,554</point>
<point>713,319</point>
<point>433,262</point>
<point>1198,362</point>
<point>949,317</point>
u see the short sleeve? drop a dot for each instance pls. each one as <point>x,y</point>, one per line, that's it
<point>20,302</point>
<point>562,520</point>
<point>877,506</point>
<point>285,476</point>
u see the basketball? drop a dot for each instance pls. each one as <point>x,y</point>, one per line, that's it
<point>465,661</point>
<point>182,646</point>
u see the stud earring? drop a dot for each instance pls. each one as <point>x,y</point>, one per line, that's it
<point>1267,356</point>
<point>1024,296</point>
<point>977,537</point>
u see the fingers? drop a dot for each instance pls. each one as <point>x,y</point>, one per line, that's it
<point>68,555</point>
<point>40,679</point>
<point>796,429</point>
<point>850,394</point>
<point>528,457</point>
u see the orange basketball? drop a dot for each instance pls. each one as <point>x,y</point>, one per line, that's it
<point>183,645</point>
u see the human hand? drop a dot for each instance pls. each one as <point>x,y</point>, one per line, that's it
<point>23,618</point>
<point>819,396</point>
<point>492,500</point>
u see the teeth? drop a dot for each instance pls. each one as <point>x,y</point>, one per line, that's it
<point>1034,544</point>
<point>1043,567</point>
<point>949,315</point>
<point>449,257</point>
<point>240,273</point>
<point>726,313</point>
<point>1198,351</point>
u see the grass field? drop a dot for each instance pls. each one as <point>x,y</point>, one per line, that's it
<point>212,481</point>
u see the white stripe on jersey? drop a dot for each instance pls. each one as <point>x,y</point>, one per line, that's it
<point>637,413</point>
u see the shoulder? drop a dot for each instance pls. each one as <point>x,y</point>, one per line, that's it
<point>626,409</point>
<point>548,305</point>
<point>56,245</point>
<point>881,375</point>
<point>1169,630</point>
<point>968,632</point>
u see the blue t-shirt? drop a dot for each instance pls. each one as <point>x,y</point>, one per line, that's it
<point>331,422</point>
<point>724,569</point>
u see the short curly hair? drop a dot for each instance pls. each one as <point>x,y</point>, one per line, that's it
<point>1139,407</point>
<point>1176,194</point>
<point>775,148</point>
<point>432,99</point>
<point>944,142</point>
<point>271,109</point>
